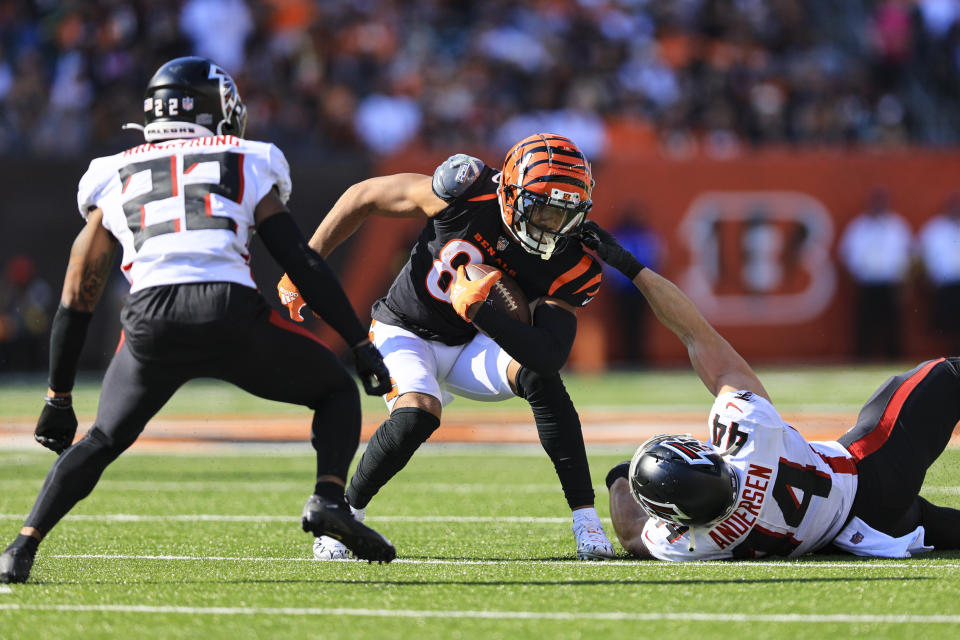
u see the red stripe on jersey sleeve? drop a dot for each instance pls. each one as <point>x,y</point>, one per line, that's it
<point>875,439</point>
<point>173,176</point>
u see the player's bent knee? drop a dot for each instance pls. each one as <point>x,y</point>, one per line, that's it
<point>417,400</point>
<point>412,425</point>
<point>100,441</point>
<point>532,384</point>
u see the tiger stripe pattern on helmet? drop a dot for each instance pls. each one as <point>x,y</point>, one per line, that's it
<point>545,173</point>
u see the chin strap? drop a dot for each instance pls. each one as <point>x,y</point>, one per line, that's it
<point>132,125</point>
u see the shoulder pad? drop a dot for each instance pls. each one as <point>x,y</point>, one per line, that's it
<point>455,175</point>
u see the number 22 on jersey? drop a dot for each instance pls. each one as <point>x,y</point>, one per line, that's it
<point>177,206</point>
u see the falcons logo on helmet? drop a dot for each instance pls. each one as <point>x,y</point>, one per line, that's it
<point>229,97</point>
<point>691,449</point>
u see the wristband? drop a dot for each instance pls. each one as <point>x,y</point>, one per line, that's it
<point>58,403</point>
<point>622,470</point>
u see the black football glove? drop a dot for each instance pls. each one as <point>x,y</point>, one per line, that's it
<point>373,373</point>
<point>57,424</point>
<point>609,249</point>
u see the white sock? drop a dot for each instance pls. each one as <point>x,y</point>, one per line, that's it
<point>586,514</point>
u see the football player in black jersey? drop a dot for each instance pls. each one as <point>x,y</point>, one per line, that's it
<point>525,221</point>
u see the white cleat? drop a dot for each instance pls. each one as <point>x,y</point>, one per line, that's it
<point>592,542</point>
<point>326,548</point>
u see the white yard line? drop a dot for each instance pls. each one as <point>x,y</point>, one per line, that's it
<point>497,615</point>
<point>786,564</point>
<point>5,589</point>
<point>202,486</point>
<point>225,485</point>
<point>201,517</point>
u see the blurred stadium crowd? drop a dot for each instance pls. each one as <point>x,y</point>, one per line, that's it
<point>682,76</point>
<point>371,78</point>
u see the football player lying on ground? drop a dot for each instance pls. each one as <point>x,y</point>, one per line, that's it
<point>181,207</point>
<point>525,220</point>
<point>755,487</point>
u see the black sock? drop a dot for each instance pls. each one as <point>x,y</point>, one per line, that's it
<point>24,542</point>
<point>331,491</point>
<point>558,426</point>
<point>388,451</point>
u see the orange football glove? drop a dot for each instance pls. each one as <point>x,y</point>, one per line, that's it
<point>468,292</point>
<point>290,298</point>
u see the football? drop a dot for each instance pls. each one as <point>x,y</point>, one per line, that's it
<point>506,295</point>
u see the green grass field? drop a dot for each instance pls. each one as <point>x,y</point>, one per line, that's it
<point>209,546</point>
<point>180,546</point>
<point>841,388</point>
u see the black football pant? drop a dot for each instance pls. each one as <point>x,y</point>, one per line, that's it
<point>176,333</point>
<point>900,432</point>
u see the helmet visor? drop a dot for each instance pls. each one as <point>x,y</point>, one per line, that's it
<point>549,215</point>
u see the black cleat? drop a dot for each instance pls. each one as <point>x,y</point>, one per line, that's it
<point>15,564</point>
<point>322,517</point>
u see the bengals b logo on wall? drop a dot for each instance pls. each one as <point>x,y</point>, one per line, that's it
<point>758,257</point>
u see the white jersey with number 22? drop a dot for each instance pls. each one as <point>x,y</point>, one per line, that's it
<point>183,209</point>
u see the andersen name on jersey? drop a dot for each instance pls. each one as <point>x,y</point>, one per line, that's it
<point>182,210</point>
<point>470,230</point>
<point>794,495</point>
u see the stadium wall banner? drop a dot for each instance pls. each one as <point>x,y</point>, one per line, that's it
<point>752,239</point>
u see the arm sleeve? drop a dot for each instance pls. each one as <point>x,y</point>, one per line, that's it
<point>317,283</point>
<point>543,347</point>
<point>68,332</point>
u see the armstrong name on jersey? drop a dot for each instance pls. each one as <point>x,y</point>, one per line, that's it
<point>183,209</point>
<point>470,230</point>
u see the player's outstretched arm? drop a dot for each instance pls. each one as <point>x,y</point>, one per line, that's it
<point>320,288</point>
<point>87,271</point>
<point>402,195</point>
<point>628,518</point>
<point>717,363</point>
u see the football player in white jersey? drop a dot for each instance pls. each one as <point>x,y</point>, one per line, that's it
<point>754,487</point>
<point>182,207</point>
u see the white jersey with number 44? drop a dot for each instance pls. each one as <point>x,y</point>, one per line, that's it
<point>183,209</point>
<point>794,495</point>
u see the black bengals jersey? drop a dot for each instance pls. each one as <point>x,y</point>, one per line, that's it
<point>470,230</point>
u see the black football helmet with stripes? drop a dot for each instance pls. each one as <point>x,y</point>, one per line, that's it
<point>682,480</point>
<point>191,97</point>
